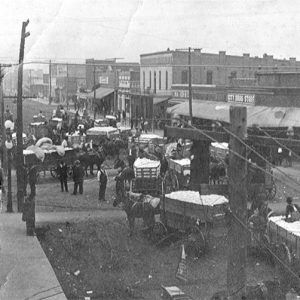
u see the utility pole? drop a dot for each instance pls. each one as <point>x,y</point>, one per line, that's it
<point>189,49</point>
<point>237,235</point>
<point>20,158</point>
<point>3,132</point>
<point>67,87</point>
<point>190,87</point>
<point>50,83</point>
<point>94,104</point>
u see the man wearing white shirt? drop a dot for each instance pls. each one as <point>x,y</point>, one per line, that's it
<point>102,179</point>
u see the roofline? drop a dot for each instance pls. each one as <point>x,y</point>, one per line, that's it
<point>274,73</point>
<point>159,52</point>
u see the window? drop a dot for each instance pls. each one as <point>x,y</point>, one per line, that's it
<point>166,80</point>
<point>233,74</point>
<point>154,88</point>
<point>184,77</point>
<point>150,79</point>
<point>144,81</point>
<point>159,80</point>
<point>209,77</point>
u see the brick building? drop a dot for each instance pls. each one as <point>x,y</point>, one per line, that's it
<point>105,74</point>
<point>166,72</point>
<point>129,82</point>
<point>66,79</point>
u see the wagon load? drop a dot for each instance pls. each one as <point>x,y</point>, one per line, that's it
<point>181,165</point>
<point>76,139</point>
<point>97,134</point>
<point>185,208</point>
<point>146,138</point>
<point>34,155</point>
<point>146,168</point>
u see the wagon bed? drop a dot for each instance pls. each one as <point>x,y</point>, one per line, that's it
<point>280,231</point>
<point>185,209</point>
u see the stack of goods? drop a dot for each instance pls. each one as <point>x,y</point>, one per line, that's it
<point>292,227</point>
<point>146,168</point>
<point>76,139</point>
<point>194,197</point>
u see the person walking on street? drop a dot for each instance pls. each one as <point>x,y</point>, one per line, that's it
<point>102,179</point>
<point>32,180</point>
<point>62,171</point>
<point>78,174</point>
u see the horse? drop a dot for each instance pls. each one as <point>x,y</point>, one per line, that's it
<point>91,158</point>
<point>134,208</point>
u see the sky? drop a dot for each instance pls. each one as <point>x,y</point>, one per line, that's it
<point>73,30</point>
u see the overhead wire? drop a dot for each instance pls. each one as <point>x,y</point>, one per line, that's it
<point>244,225</point>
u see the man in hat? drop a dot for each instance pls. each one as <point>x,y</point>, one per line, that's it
<point>62,171</point>
<point>292,211</point>
<point>78,174</point>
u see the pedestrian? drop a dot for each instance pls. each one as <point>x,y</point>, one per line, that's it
<point>32,180</point>
<point>62,171</point>
<point>102,179</point>
<point>78,174</point>
<point>292,211</point>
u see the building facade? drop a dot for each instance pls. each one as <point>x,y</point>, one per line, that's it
<point>129,83</point>
<point>167,72</point>
<point>66,79</point>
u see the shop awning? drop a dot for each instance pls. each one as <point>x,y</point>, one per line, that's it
<point>101,93</point>
<point>262,116</point>
<point>158,100</point>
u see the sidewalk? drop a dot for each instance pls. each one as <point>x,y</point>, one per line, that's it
<point>25,272</point>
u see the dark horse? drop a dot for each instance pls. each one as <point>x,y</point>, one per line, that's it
<point>134,207</point>
<point>91,158</point>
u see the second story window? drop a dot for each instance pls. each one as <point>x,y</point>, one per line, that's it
<point>184,77</point>
<point>154,82</point>
<point>150,79</point>
<point>159,80</point>
<point>167,80</point>
<point>144,82</point>
<point>209,77</point>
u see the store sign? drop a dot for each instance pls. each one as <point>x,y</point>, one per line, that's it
<point>103,79</point>
<point>241,98</point>
<point>181,94</point>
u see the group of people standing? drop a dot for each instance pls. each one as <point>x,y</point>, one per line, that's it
<point>78,174</point>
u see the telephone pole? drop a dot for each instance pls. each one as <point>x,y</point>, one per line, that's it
<point>189,49</point>
<point>50,83</point>
<point>3,132</point>
<point>19,156</point>
<point>237,235</point>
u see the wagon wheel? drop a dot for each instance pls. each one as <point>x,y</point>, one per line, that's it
<point>170,182</point>
<point>53,172</point>
<point>271,191</point>
<point>158,232</point>
<point>282,263</point>
<point>196,243</point>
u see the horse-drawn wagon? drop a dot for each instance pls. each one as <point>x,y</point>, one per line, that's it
<point>98,134</point>
<point>38,129</point>
<point>147,177</point>
<point>48,160</point>
<point>189,215</point>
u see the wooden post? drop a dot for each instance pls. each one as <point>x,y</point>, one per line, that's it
<point>4,152</point>
<point>50,83</point>
<point>190,88</point>
<point>20,157</point>
<point>237,234</point>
